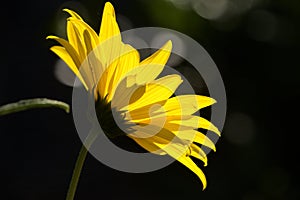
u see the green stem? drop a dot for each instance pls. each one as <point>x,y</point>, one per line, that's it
<point>79,164</point>
<point>32,103</point>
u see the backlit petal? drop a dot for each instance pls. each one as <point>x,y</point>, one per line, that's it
<point>192,166</point>
<point>129,59</point>
<point>164,141</point>
<point>198,137</point>
<point>76,40</point>
<point>65,56</point>
<point>186,104</point>
<point>82,26</point>
<point>158,90</point>
<point>198,153</point>
<point>152,66</point>
<point>72,13</point>
<point>175,151</point>
<point>109,26</point>
<point>195,122</point>
<point>69,48</point>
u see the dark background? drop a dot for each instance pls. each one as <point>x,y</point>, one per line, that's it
<point>255,45</point>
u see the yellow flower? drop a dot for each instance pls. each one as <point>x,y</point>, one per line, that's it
<point>158,122</point>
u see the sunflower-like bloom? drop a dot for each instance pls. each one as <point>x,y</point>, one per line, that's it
<point>119,81</point>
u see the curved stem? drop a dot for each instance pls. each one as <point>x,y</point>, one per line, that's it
<point>79,164</point>
<point>32,103</point>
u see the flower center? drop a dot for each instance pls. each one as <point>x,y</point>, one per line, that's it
<point>110,119</point>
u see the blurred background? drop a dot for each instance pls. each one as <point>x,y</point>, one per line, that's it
<point>254,43</point>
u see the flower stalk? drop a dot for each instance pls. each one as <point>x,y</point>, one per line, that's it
<point>79,164</point>
<point>32,104</point>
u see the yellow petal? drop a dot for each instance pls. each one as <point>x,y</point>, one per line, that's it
<point>205,124</point>
<point>158,145</point>
<point>204,140</point>
<point>162,138</point>
<point>174,122</point>
<point>72,13</point>
<point>69,48</point>
<point>155,133</point>
<point>152,66</point>
<point>195,122</point>
<point>158,90</point>
<point>65,56</point>
<point>175,127</point>
<point>124,93</point>
<point>112,52</point>
<point>82,26</point>
<point>164,141</point>
<point>143,115</point>
<point>75,39</point>
<point>72,37</point>
<point>91,68</point>
<point>179,107</point>
<point>78,31</point>
<point>109,26</point>
<point>199,138</point>
<point>165,123</point>
<point>198,153</point>
<point>110,41</point>
<point>128,60</point>
<point>186,104</point>
<point>145,112</point>
<point>188,162</point>
<point>194,136</point>
<point>88,42</point>
<point>147,145</point>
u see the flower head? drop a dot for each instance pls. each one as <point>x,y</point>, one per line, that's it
<point>128,93</point>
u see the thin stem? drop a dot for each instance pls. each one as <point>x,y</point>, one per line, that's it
<point>32,103</point>
<point>79,164</point>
